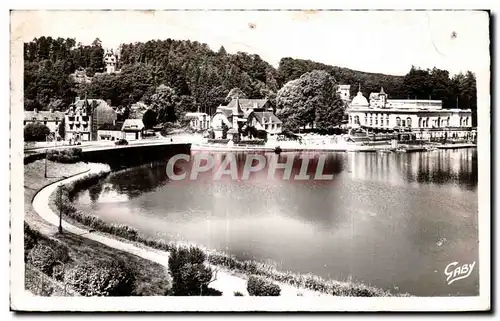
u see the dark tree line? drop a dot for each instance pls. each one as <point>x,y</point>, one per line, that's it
<point>188,75</point>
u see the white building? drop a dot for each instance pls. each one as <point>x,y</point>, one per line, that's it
<point>344,92</point>
<point>424,118</point>
<point>132,129</point>
<point>256,113</point>
<point>199,121</point>
<point>50,118</point>
<point>110,131</point>
<point>78,121</point>
<point>110,61</point>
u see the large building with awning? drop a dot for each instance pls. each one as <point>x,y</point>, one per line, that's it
<point>424,119</point>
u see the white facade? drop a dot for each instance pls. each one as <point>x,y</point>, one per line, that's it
<point>344,92</point>
<point>199,121</point>
<point>77,122</point>
<point>52,119</point>
<point>109,134</point>
<point>110,61</point>
<point>408,115</point>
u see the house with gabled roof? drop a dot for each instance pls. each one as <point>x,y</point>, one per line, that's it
<point>133,129</point>
<point>110,131</point>
<point>245,112</point>
<point>52,119</point>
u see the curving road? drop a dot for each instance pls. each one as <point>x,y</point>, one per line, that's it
<point>225,282</point>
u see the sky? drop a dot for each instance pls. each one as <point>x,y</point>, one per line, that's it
<point>387,42</point>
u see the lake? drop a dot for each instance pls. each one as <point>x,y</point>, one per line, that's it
<point>392,220</point>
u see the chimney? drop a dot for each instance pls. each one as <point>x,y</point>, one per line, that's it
<point>77,98</point>
<point>52,110</point>
<point>108,101</point>
<point>35,110</point>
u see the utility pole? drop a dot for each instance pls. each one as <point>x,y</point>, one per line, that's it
<point>60,209</point>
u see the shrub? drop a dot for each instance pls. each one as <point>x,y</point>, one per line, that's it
<point>58,272</point>
<point>42,257</point>
<point>101,278</point>
<point>71,155</point>
<point>238,293</point>
<point>189,273</point>
<point>31,238</point>
<point>35,132</point>
<point>257,286</point>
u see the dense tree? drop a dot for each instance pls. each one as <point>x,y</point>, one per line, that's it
<point>235,93</point>
<point>310,99</point>
<point>149,118</point>
<point>163,103</point>
<point>61,129</point>
<point>202,78</point>
<point>35,132</point>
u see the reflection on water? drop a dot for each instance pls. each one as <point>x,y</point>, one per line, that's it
<point>391,220</point>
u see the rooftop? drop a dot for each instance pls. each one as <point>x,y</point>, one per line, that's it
<point>248,103</point>
<point>43,115</point>
<point>133,125</point>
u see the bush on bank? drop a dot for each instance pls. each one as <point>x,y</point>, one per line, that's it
<point>257,286</point>
<point>101,278</point>
<point>68,156</point>
<point>190,274</point>
<point>217,258</point>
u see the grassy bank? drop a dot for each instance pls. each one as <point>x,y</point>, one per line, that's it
<point>151,278</point>
<point>217,258</point>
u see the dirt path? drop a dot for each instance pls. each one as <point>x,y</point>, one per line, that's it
<point>226,282</point>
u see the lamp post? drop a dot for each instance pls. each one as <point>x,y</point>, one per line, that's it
<point>60,209</point>
<point>46,153</point>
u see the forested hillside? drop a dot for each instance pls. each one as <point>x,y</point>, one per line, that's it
<point>194,76</point>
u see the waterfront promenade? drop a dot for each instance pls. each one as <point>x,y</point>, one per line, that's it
<point>226,282</point>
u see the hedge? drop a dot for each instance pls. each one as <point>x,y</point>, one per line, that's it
<point>71,155</point>
<point>101,278</point>
<point>257,286</point>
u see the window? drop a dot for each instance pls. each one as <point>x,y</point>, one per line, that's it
<point>387,120</point>
<point>448,122</point>
<point>371,120</point>
<point>420,121</point>
<point>376,120</point>
<point>398,121</point>
<point>408,122</point>
<point>427,123</point>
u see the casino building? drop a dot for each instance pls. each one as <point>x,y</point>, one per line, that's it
<point>422,119</point>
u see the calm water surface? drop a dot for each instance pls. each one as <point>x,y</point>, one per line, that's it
<point>391,220</point>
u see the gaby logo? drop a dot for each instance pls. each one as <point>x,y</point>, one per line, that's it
<point>455,272</point>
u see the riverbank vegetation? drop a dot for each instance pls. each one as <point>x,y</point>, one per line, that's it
<point>195,254</point>
<point>68,156</point>
<point>46,269</point>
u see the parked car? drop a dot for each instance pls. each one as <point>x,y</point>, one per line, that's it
<point>121,142</point>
